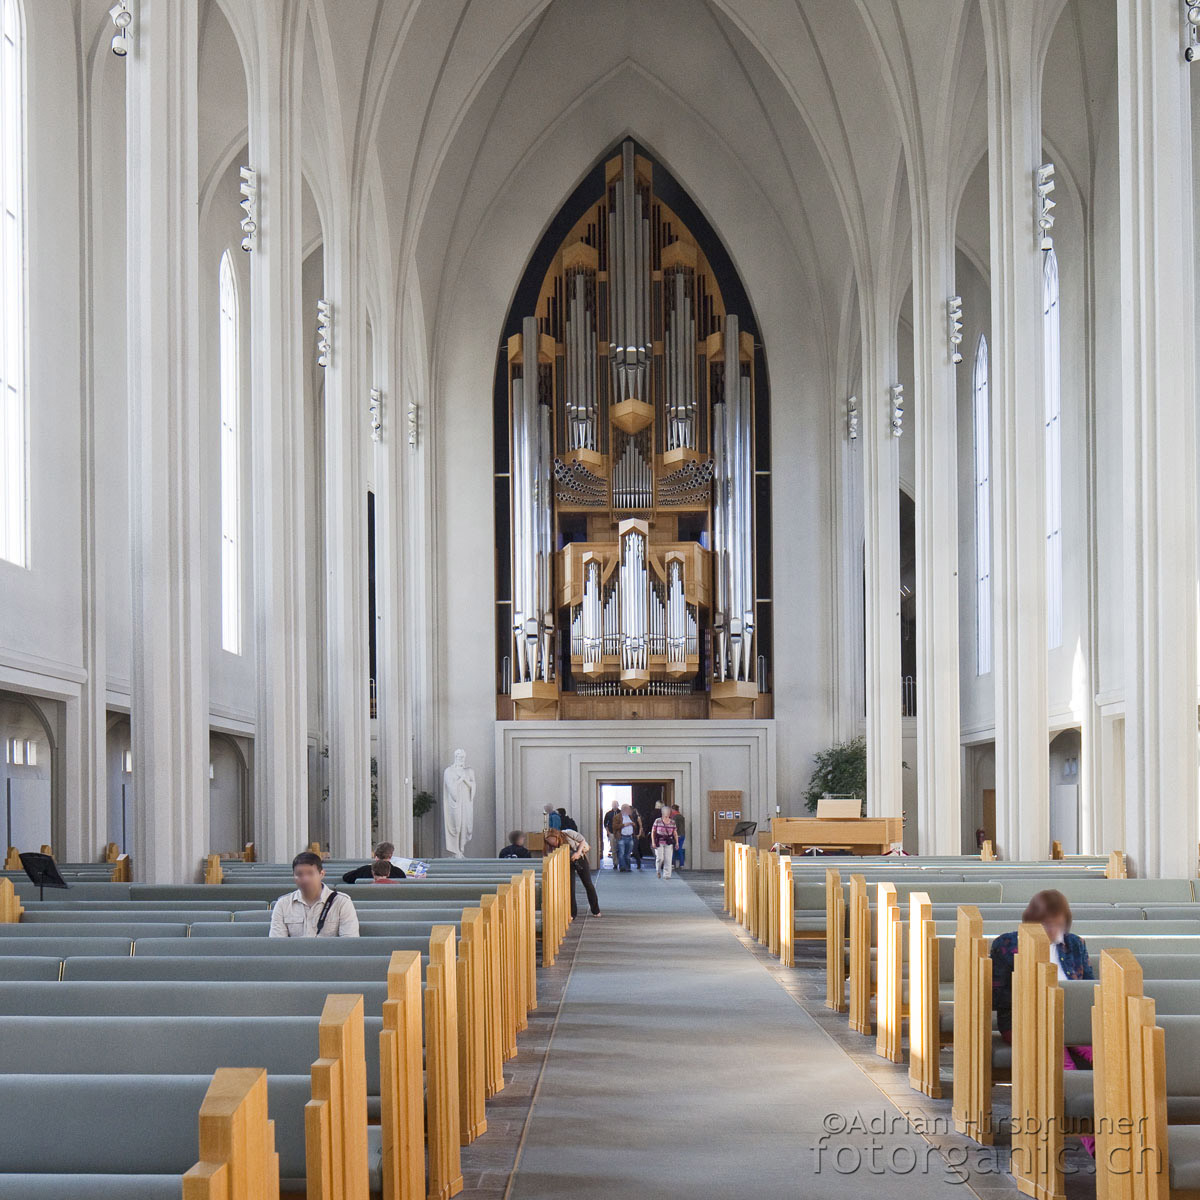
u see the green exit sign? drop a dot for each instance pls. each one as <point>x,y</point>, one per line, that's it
<point>633,749</point>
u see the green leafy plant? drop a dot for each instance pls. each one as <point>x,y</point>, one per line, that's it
<point>423,802</point>
<point>839,771</point>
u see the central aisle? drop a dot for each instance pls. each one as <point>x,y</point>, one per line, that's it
<point>680,1068</point>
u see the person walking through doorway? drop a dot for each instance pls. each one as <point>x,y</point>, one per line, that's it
<point>664,836</point>
<point>579,865</point>
<point>628,828</point>
<point>680,831</point>
<point>612,828</point>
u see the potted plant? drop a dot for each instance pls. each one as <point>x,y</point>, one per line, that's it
<point>839,771</point>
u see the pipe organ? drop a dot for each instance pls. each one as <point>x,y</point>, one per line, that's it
<point>631,397</point>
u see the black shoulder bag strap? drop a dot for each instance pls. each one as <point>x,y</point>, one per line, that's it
<point>325,910</point>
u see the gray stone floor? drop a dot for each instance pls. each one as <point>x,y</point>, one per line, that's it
<point>987,1166</point>
<point>488,1164</point>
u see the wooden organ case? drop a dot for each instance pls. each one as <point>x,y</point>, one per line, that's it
<point>631,397</point>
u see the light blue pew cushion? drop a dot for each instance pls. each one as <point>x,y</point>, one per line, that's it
<point>150,1045</point>
<point>86,929</point>
<point>440,913</point>
<point>1184,1149</point>
<point>63,947</point>
<point>367,928</point>
<point>185,998</point>
<point>1105,891</point>
<point>89,1187</point>
<point>1182,1041</point>
<point>241,967</point>
<point>128,915</point>
<point>359,947</point>
<point>18,966</point>
<point>1077,1095</point>
<point>128,1124</point>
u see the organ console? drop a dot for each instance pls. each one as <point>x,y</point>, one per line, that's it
<point>631,395</point>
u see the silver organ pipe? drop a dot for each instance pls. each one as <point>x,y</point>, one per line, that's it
<point>677,615</point>
<point>581,363</point>
<point>533,540</point>
<point>629,284</point>
<point>634,581</point>
<point>681,367</point>
<point>732,520</point>
<point>591,630</point>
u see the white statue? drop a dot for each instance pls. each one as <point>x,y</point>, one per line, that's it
<point>458,804</point>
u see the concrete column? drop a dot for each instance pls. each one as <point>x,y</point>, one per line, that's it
<point>935,424</point>
<point>1012,31</point>
<point>392,456</point>
<point>881,513</point>
<point>281,741</point>
<point>346,647</point>
<point>1158,387</point>
<point>169,683</point>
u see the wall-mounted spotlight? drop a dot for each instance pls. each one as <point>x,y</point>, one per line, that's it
<point>412,424</point>
<point>897,391</point>
<point>375,410</point>
<point>1191,31</point>
<point>249,204</point>
<point>955,318</point>
<point>852,418</point>
<point>324,333</point>
<point>122,18</point>
<point>1043,186</point>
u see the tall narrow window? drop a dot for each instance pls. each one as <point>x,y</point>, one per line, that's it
<point>1053,450</point>
<point>231,461</point>
<point>982,413</point>
<point>14,433</point>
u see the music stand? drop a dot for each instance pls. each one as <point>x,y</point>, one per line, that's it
<point>43,872</point>
<point>743,829</point>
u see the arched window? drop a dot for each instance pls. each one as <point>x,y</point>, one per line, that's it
<point>231,460</point>
<point>14,431</point>
<point>982,412</point>
<point>1053,391</point>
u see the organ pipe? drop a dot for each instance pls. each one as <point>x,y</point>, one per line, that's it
<point>533,540</point>
<point>733,530</point>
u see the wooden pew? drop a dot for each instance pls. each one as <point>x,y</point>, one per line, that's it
<point>787,912</point>
<point>443,1119</point>
<point>860,956</point>
<point>471,1025</point>
<point>213,872</point>
<point>835,941</point>
<point>493,1007</point>
<point>335,1119</point>
<point>10,907</point>
<point>972,1028</point>
<point>402,1094</point>
<point>889,963</point>
<point>530,914</point>
<point>1037,1097</point>
<point>1134,1136</point>
<point>924,1027</point>
<point>237,1141</point>
<point>1117,867</point>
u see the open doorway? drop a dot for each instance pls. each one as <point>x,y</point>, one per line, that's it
<point>646,796</point>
